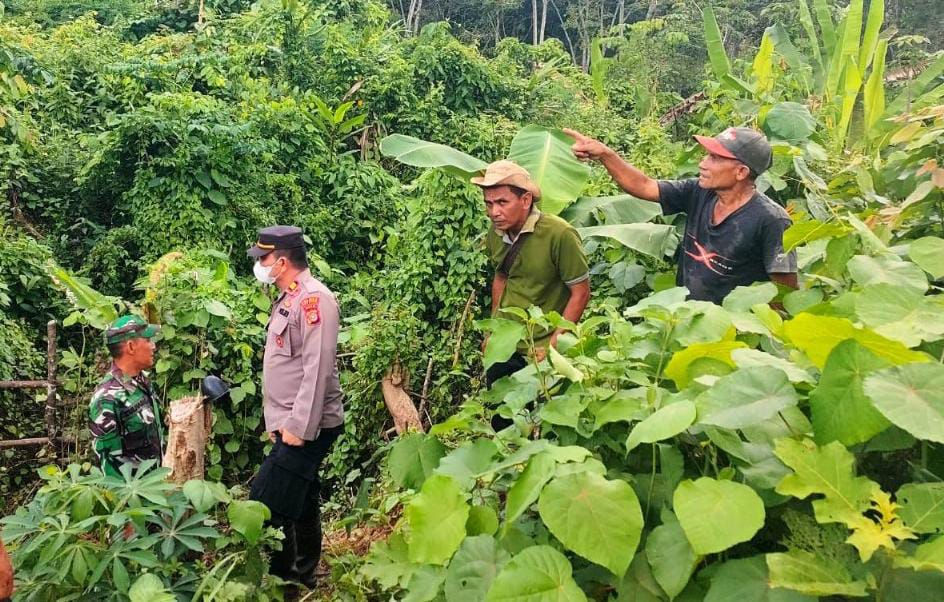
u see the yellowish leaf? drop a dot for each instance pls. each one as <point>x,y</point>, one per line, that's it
<point>869,535</point>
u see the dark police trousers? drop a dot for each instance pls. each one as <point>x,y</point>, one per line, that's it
<point>289,485</point>
<point>499,370</point>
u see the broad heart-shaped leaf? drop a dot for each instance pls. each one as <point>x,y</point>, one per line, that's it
<point>420,153</point>
<point>414,457</point>
<point>747,580</point>
<point>922,506</point>
<point>886,269</point>
<point>502,340</point>
<point>840,410</point>
<point>468,461</point>
<point>746,397</point>
<point>928,557</point>
<point>826,470</point>
<point>901,313</point>
<point>743,298</point>
<point>911,397</point>
<point>620,209</point>
<point>716,515</point>
<point>928,253</point>
<point>527,487</point>
<point>670,555</point>
<point>437,518</point>
<point>749,358</point>
<point>246,517</point>
<point>655,240</point>
<point>598,519</point>
<point>546,154</point>
<point>677,368</point>
<point>204,494</point>
<point>473,569</point>
<point>666,422</point>
<point>149,588</point>
<point>536,574</point>
<point>817,336</point>
<point>789,121</point>
<point>813,575</point>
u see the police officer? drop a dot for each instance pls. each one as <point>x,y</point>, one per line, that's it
<point>302,398</point>
<point>124,414</point>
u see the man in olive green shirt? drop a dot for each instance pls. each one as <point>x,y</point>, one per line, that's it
<point>538,258</point>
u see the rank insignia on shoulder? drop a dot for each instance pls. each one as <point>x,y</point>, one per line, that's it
<point>293,288</point>
<point>287,302</point>
<point>312,313</point>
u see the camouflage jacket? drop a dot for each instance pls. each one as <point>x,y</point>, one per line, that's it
<point>125,420</point>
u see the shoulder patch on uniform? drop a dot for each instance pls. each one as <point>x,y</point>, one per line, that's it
<point>312,314</point>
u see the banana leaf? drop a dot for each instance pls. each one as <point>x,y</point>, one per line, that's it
<point>836,63</point>
<point>546,154</point>
<point>852,81</point>
<point>873,99</point>
<point>656,240</point>
<point>873,25</point>
<point>420,153</point>
<point>806,20</point>
<point>598,69</point>
<point>100,310</point>
<point>715,43</point>
<point>763,65</point>
<point>825,25</point>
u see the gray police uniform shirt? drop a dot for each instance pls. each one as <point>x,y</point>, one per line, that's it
<point>300,385</point>
<point>745,248</point>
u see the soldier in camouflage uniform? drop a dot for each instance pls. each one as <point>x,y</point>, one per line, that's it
<point>124,414</point>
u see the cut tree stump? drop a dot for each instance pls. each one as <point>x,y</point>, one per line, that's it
<point>401,408</point>
<point>190,420</point>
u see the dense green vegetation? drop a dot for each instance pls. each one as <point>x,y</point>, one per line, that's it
<point>677,444</point>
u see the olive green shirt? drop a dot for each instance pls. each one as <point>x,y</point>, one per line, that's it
<point>551,260</point>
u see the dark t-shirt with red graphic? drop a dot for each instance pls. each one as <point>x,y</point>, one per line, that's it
<point>743,249</point>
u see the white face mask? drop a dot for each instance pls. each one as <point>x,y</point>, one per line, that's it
<point>263,273</point>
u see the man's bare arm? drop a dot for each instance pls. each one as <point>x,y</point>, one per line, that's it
<point>789,279</point>
<point>625,175</point>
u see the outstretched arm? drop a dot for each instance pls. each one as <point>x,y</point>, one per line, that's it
<point>626,176</point>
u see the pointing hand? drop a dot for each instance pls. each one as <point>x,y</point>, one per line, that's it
<point>585,147</point>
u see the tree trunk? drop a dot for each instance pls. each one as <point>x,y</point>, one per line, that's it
<point>534,22</point>
<point>544,4</point>
<point>653,7</point>
<point>190,421</point>
<point>401,408</point>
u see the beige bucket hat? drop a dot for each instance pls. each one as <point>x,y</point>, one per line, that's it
<point>507,173</point>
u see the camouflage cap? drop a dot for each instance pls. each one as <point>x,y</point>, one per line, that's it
<point>129,327</point>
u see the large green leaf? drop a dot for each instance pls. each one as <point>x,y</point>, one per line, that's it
<point>547,156</point>
<point>826,470</point>
<point>870,41</point>
<point>717,515</point>
<point>840,410</point>
<point>414,457</point>
<point>750,358</point>
<point>502,340</point>
<point>246,517</point>
<point>929,556</point>
<point>818,335</point>
<point>437,518</point>
<point>928,253</point>
<point>901,313</point>
<point>149,588</point>
<point>873,98</point>
<point>805,232</point>
<point>747,580</point>
<point>886,269</point>
<point>468,461</point>
<point>746,397</point>
<point>911,397</point>
<point>922,506</point>
<point>473,569</point>
<point>598,519</point>
<point>825,21</point>
<point>527,487</point>
<point>420,153</point>
<point>806,20</point>
<point>670,555</point>
<point>813,575</point>
<point>851,83</point>
<point>621,209</point>
<point>790,121</point>
<point>666,422</point>
<point>677,368</point>
<point>536,574</point>
<point>715,43</point>
<point>655,240</point>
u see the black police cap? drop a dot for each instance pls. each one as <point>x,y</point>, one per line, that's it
<point>276,237</point>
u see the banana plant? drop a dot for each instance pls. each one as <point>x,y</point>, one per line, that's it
<point>544,152</point>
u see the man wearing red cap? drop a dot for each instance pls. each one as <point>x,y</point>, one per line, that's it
<point>733,233</point>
